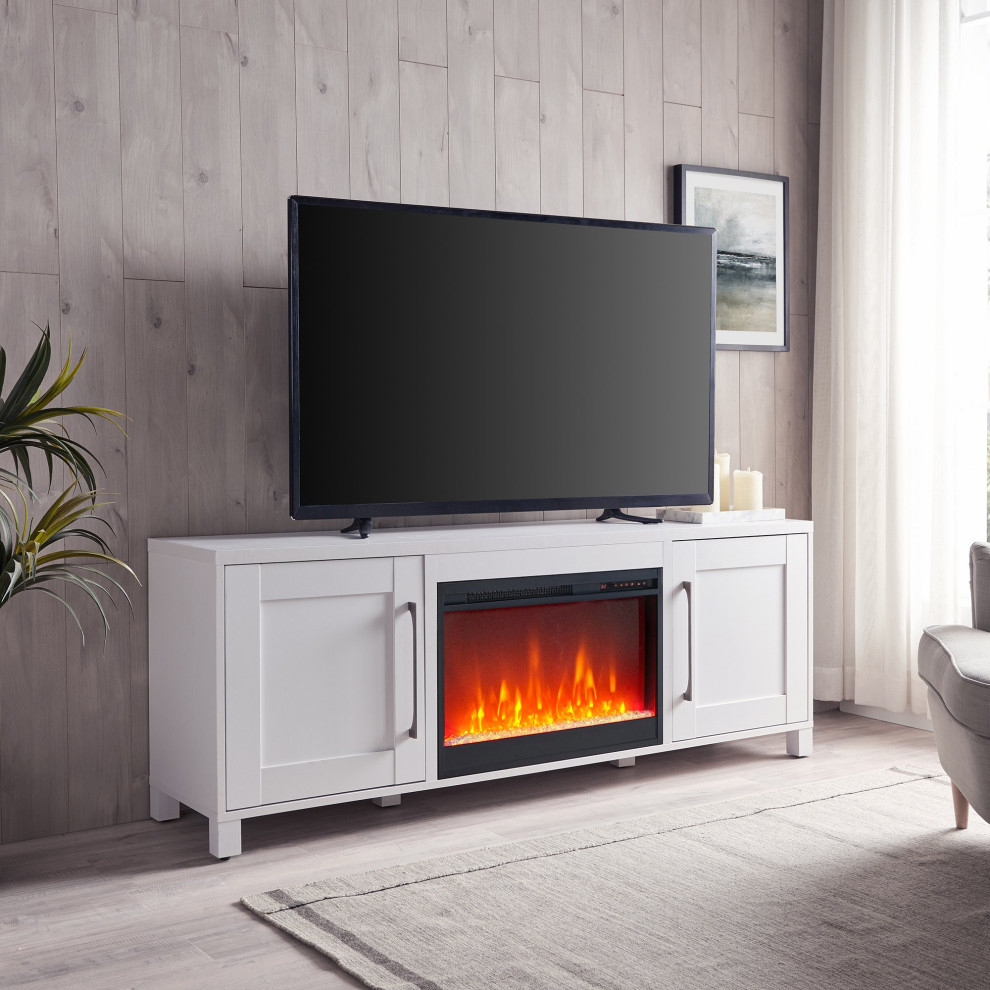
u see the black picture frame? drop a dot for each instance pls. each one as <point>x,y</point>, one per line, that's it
<point>752,286</point>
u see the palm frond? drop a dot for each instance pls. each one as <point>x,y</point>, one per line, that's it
<point>87,587</point>
<point>71,610</point>
<point>63,548</point>
<point>30,556</point>
<point>27,386</point>
<point>70,452</point>
<point>26,412</point>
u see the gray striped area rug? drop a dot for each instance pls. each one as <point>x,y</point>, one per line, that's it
<point>861,882</point>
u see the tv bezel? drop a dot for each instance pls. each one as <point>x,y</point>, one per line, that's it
<point>301,511</point>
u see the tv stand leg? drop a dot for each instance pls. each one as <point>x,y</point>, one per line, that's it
<point>799,742</point>
<point>225,838</point>
<point>163,807</point>
<point>626,761</point>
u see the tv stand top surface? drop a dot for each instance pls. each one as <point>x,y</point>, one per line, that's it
<point>394,542</point>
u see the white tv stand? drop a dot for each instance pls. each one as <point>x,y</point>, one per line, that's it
<point>287,671</point>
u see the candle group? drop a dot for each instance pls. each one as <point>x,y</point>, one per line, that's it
<point>746,490</point>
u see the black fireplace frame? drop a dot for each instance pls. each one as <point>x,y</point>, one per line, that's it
<point>468,759</point>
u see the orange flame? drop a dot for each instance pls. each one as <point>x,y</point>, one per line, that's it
<point>514,709</point>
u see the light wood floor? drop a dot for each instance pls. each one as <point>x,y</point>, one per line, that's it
<point>145,905</point>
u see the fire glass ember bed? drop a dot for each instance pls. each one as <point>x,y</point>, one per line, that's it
<point>555,667</point>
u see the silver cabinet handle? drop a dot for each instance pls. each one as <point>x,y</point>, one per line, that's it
<point>414,728</point>
<point>689,591</point>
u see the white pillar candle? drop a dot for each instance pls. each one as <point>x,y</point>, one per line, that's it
<point>715,506</point>
<point>747,487</point>
<point>722,463</point>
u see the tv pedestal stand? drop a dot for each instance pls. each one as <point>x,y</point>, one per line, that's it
<point>619,514</point>
<point>361,526</point>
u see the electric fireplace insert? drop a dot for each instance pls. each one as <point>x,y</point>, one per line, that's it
<point>538,669</point>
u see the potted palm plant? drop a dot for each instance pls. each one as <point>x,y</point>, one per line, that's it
<point>61,546</point>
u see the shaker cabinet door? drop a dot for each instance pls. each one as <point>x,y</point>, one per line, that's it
<point>323,671</point>
<point>740,619</point>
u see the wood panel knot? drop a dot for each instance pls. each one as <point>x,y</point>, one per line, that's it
<point>79,106</point>
<point>322,87</point>
<point>66,307</point>
<point>157,322</point>
<point>244,60</point>
<point>203,178</point>
<point>191,369</point>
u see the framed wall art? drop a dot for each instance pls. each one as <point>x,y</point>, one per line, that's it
<point>750,212</point>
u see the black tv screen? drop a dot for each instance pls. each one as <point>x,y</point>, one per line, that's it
<point>458,361</point>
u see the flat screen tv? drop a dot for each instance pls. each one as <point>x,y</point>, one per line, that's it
<point>462,361</point>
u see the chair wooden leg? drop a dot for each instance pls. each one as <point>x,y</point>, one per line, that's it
<point>961,807</point>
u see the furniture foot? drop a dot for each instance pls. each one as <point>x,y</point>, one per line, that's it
<point>163,807</point>
<point>626,761</point>
<point>389,801</point>
<point>799,742</point>
<point>225,839</point>
<point>961,807</point>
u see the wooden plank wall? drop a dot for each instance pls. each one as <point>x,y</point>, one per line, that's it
<point>146,150</point>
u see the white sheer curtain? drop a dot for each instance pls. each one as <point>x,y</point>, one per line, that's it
<point>900,372</point>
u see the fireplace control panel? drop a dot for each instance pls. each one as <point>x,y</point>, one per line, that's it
<point>625,585</point>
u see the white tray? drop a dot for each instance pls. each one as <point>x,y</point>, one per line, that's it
<point>674,514</point>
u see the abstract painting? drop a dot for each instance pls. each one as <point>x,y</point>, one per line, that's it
<point>749,212</point>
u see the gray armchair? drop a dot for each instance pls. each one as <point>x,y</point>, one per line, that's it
<point>954,661</point>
